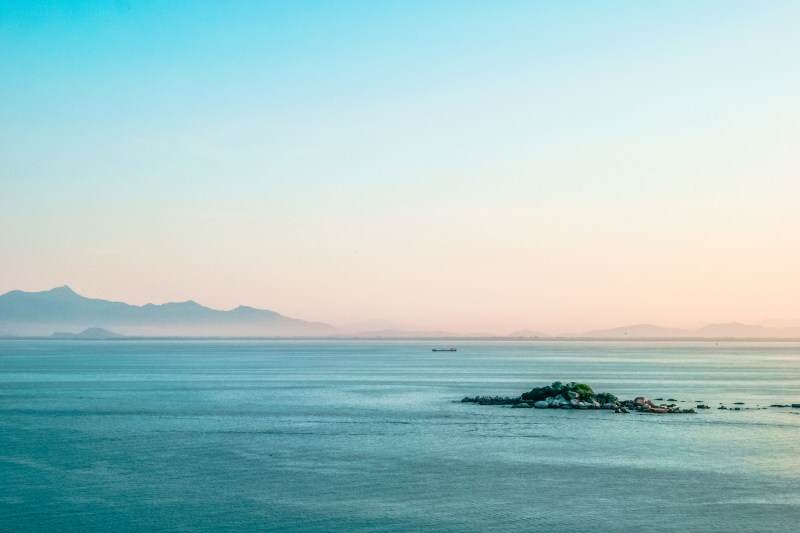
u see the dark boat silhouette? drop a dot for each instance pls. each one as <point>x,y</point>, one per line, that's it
<point>444,350</point>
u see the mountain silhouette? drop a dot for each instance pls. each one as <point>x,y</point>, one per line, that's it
<point>91,333</point>
<point>61,309</point>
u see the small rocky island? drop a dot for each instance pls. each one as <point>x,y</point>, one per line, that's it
<point>580,396</point>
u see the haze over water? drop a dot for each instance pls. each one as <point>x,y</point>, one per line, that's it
<point>371,436</point>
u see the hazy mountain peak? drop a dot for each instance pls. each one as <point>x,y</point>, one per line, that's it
<point>64,290</point>
<point>186,304</point>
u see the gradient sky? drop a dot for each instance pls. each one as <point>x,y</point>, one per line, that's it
<point>468,166</point>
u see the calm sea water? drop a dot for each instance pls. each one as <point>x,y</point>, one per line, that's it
<point>370,436</point>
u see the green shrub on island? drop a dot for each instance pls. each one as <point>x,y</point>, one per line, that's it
<point>579,390</point>
<point>606,397</point>
<point>583,390</point>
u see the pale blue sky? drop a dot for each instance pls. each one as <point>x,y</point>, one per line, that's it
<point>473,166</point>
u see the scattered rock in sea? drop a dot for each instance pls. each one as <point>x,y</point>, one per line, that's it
<point>492,400</point>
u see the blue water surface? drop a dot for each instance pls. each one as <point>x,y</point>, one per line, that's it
<point>371,436</point>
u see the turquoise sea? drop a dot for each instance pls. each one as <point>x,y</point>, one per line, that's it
<point>371,436</point>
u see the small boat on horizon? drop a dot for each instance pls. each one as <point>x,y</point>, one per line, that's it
<point>444,350</point>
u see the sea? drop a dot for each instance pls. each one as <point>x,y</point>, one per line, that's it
<point>357,436</point>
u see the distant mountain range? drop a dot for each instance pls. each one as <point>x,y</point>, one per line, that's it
<point>62,310</point>
<point>61,313</point>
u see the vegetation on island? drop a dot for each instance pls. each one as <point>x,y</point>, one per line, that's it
<point>569,390</point>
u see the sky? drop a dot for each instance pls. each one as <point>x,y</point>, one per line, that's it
<point>465,166</point>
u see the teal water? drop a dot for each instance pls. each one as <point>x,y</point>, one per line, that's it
<point>370,436</point>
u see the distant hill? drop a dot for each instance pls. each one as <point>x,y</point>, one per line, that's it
<point>61,309</point>
<point>91,333</point>
<point>638,331</point>
<point>731,330</point>
<point>399,334</point>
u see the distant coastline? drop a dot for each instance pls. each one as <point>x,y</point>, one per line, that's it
<point>399,339</point>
